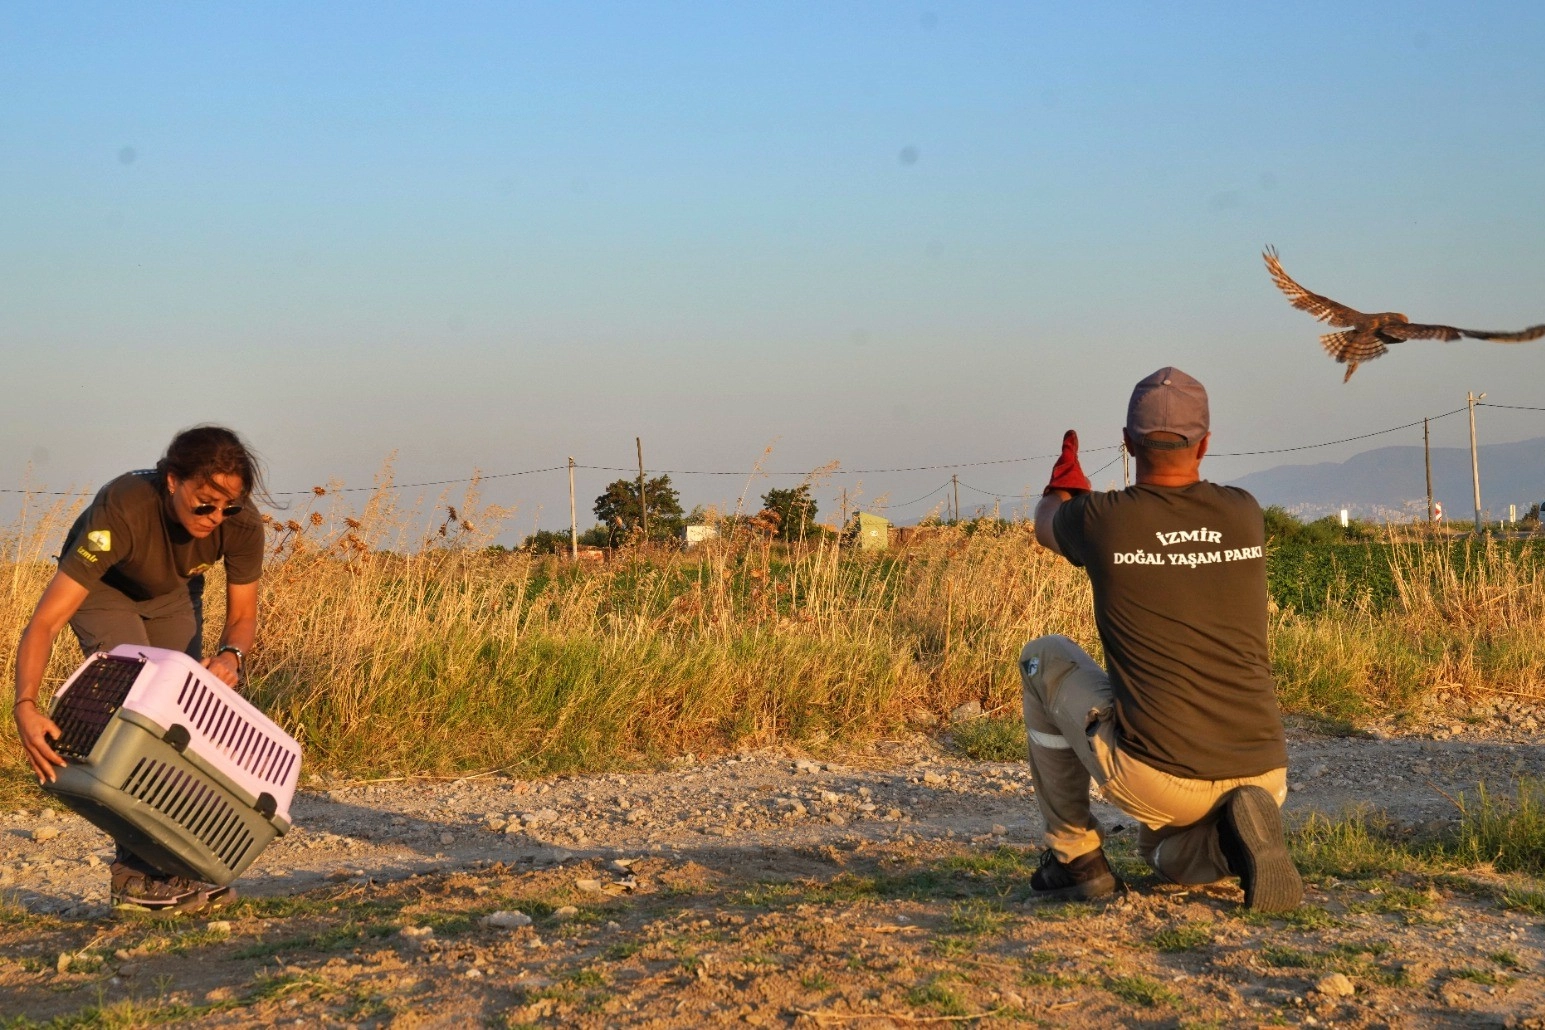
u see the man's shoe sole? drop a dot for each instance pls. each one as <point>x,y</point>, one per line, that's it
<point>1086,891</point>
<point>1271,881</point>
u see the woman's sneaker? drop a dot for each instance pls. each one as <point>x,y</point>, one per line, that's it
<point>1087,876</point>
<point>138,891</point>
<point>1251,836</point>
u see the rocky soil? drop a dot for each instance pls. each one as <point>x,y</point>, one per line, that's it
<point>887,888</point>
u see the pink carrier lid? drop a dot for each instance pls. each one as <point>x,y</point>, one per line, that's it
<point>225,730</point>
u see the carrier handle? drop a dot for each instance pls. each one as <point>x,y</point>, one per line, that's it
<point>178,737</point>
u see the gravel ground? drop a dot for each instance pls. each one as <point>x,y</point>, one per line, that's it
<point>618,871</point>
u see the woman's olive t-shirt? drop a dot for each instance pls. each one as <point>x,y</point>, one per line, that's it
<point>1179,579</point>
<point>129,540</point>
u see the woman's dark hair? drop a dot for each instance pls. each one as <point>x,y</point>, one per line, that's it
<point>204,451</point>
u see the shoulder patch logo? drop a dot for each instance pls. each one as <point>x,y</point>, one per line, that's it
<point>100,540</point>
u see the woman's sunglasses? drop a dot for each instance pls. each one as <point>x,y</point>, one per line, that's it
<point>230,511</point>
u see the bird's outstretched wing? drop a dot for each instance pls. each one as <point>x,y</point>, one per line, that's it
<point>1534,332</point>
<point>1412,331</point>
<point>1323,308</point>
<point>1416,331</point>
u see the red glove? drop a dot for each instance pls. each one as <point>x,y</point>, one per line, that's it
<point>1067,474</point>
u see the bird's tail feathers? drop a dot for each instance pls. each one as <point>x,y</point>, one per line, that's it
<point>1352,346</point>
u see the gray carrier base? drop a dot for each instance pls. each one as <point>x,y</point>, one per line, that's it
<point>179,815</point>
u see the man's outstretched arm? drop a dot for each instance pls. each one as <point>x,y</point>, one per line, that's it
<point>1067,479</point>
<point>1045,511</point>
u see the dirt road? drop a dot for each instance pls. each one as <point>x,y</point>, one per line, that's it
<point>773,890</point>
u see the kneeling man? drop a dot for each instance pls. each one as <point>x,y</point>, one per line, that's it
<point>1181,729</point>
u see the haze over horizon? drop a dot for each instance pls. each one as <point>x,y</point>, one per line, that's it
<point>491,237</point>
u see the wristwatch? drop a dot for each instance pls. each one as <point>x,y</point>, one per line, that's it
<point>241,660</point>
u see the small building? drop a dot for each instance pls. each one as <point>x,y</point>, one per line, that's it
<point>874,532</point>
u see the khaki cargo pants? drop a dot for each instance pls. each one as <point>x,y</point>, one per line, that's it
<point>1072,737</point>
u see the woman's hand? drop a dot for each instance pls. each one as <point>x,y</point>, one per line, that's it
<point>35,728</point>
<point>60,600</point>
<point>226,666</point>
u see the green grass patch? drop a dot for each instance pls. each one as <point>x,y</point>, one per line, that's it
<point>937,998</point>
<point>1505,832</point>
<point>990,740</point>
<point>952,947</point>
<point>1183,937</point>
<point>1141,990</point>
<point>1049,979</point>
<point>983,880</point>
<point>13,913</point>
<point>1356,846</point>
<point>184,940</point>
<point>1484,977</point>
<point>334,938</point>
<point>1064,911</point>
<point>1390,899</point>
<point>119,1015</point>
<point>1523,900</point>
<point>1304,917</point>
<point>977,917</point>
<point>1349,959</point>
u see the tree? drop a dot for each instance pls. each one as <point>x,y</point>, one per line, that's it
<point>547,541</point>
<point>618,507</point>
<point>795,510</point>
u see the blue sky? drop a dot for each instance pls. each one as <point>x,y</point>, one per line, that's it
<point>495,235</point>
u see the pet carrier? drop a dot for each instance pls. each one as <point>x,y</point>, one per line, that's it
<point>172,763</point>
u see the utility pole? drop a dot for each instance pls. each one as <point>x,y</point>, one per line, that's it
<point>1427,456</point>
<point>643,502</point>
<point>1126,477</point>
<point>843,526</point>
<point>955,481</point>
<point>573,516</point>
<point>1475,464</point>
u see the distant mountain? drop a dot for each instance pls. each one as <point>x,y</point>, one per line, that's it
<point>1390,482</point>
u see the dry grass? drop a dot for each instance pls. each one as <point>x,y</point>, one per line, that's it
<point>389,650</point>
<point>1465,623</point>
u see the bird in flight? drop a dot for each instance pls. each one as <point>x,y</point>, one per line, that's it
<point>1365,337</point>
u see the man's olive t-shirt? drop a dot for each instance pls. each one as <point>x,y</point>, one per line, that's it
<point>130,540</point>
<point>1179,578</point>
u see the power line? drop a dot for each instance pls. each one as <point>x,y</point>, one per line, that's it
<point>842,471</point>
<point>1332,443</point>
<point>925,497</point>
<point>1103,467</point>
<point>989,493</point>
<point>1514,407</point>
<point>415,486</point>
<point>838,472</point>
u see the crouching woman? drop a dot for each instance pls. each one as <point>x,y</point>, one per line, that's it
<point>132,572</point>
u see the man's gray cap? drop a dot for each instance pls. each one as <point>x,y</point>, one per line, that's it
<point>1168,401</point>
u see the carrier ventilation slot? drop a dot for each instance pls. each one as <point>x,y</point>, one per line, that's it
<point>193,805</point>
<point>222,726</point>
<point>84,710</point>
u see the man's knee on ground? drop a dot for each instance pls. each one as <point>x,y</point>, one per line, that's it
<point>1188,855</point>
